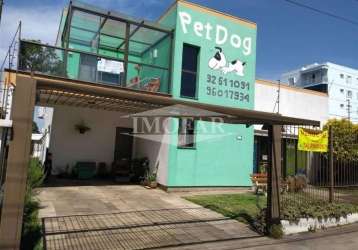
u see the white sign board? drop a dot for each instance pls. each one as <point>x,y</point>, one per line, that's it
<point>110,66</point>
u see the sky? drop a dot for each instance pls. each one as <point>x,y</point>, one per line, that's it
<point>288,36</point>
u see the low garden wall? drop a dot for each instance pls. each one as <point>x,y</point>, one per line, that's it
<point>312,224</point>
<point>307,211</point>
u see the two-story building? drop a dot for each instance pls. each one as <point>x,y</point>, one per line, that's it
<point>192,53</point>
<point>179,91</point>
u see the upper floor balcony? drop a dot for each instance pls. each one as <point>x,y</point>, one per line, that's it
<point>313,77</point>
<point>104,47</point>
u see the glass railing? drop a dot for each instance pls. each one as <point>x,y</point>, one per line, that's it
<point>90,67</point>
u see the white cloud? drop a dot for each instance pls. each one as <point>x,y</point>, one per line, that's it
<point>39,23</point>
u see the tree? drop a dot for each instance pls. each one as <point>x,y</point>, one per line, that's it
<point>345,138</point>
<point>35,57</point>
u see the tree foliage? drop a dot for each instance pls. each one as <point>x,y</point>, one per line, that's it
<point>345,138</point>
<point>31,229</point>
<point>35,128</point>
<point>35,57</point>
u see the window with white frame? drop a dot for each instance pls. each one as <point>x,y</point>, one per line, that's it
<point>342,76</point>
<point>349,94</point>
<point>341,90</point>
<point>348,79</point>
<point>291,81</point>
<point>342,105</point>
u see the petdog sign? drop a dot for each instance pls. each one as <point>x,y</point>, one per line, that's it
<point>227,55</point>
<point>218,33</point>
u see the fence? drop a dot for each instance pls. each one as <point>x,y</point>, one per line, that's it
<point>39,147</point>
<point>316,178</point>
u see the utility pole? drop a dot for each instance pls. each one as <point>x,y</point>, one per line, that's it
<point>349,106</point>
<point>1,4</point>
<point>278,96</point>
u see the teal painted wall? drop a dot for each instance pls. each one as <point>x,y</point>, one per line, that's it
<point>224,160</point>
<point>162,60</point>
<point>216,161</point>
<point>207,51</point>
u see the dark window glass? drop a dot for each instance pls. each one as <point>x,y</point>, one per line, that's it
<point>190,58</point>
<point>189,71</point>
<point>188,86</point>
<point>186,133</point>
<point>88,68</point>
<point>110,78</point>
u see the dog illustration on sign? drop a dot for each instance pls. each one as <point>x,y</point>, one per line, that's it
<point>219,62</point>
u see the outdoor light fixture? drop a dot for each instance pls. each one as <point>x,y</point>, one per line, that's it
<point>239,138</point>
<point>155,53</point>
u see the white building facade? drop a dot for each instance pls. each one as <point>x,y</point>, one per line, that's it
<point>339,82</point>
<point>291,101</point>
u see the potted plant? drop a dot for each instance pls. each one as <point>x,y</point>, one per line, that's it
<point>82,127</point>
<point>152,181</point>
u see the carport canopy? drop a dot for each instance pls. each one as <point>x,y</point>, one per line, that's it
<point>34,89</point>
<point>51,91</point>
<point>139,103</point>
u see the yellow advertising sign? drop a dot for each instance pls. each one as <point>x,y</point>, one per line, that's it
<point>313,141</point>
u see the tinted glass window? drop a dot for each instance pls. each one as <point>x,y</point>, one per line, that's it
<point>190,58</point>
<point>188,85</point>
<point>189,71</point>
<point>186,133</point>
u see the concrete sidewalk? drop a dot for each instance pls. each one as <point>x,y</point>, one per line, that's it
<point>338,238</point>
<point>129,217</point>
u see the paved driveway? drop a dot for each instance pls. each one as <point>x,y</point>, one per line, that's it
<point>129,217</point>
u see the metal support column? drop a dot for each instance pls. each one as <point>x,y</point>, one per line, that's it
<point>331,169</point>
<point>126,54</point>
<point>274,175</point>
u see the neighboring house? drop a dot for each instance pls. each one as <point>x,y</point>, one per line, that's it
<point>41,139</point>
<point>5,129</point>
<point>42,144</point>
<point>339,82</point>
<point>37,146</point>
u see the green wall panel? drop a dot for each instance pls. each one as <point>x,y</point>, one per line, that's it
<point>217,160</point>
<point>225,159</point>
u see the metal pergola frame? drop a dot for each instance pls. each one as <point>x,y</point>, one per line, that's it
<point>66,37</point>
<point>108,16</point>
